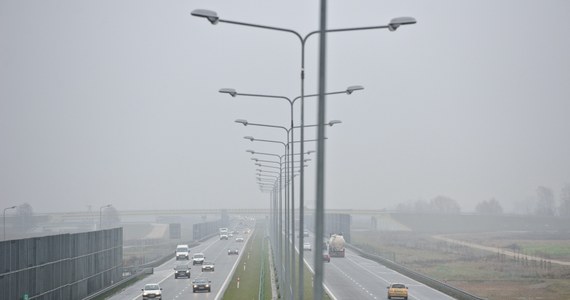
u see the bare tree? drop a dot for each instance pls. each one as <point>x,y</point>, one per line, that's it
<point>545,205</point>
<point>25,218</point>
<point>422,206</point>
<point>564,208</point>
<point>444,204</point>
<point>405,207</point>
<point>110,218</point>
<point>489,207</point>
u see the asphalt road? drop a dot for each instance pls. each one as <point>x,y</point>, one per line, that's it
<point>214,249</point>
<point>355,277</point>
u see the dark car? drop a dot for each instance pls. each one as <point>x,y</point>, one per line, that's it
<point>326,257</point>
<point>233,251</point>
<point>201,284</point>
<point>182,271</point>
<point>208,266</point>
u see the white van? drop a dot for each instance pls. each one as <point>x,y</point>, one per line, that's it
<point>182,252</point>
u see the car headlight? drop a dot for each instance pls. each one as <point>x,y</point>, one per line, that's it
<point>207,285</point>
<point>195,286</point>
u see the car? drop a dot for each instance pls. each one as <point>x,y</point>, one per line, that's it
<point>239,239</point>
<point>326,257</point>
<point>151,291</point>
<point>198,259</point>
<point>223,236</point>
<point>181,271</point>
<point>201,284</point>
<point>398,290</point>
<point>305,233</point>
<point>307,246</point>
<point>207,266</point>
<point>233,251</point>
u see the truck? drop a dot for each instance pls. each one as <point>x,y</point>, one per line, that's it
<point>336,245</point>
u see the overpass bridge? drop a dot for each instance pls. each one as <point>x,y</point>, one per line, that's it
<point>206,211</point>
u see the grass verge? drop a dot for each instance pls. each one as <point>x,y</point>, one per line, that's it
<point>255,256</point>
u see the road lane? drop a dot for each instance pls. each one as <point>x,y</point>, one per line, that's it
<point>355,277</point>
<point>214,249</point>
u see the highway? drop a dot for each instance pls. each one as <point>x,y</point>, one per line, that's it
<point>355,277</point>
<point>214,249</point>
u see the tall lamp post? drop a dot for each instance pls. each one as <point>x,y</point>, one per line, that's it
<point>101,215</point>
<point>5,209</point>
<point>394,24</point>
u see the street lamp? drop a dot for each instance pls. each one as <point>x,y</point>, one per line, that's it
<point>394,24</point>
<point>5,209</point>
<point>101,214</point>
<point>349,90</point>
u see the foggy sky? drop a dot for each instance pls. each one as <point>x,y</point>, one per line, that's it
<point>116,102</point>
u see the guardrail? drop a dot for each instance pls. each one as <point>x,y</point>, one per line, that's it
<point>431,282</point>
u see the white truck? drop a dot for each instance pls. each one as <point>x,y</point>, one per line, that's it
<point>336,245</point>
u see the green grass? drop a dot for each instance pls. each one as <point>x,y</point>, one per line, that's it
<point>307,280</point>
<point>552,251</point>
<point>250,277</point>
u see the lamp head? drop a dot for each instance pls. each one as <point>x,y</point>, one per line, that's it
<point>231,92</point>
<point>397,22</point>
<point>249,138</point>
<point>211,15</point>
<point>250,151</point>
<point>353,88</point>
<point>255,159</point>
<point>241,121</point>
<point>332,122</point>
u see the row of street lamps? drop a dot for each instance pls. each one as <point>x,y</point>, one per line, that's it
<point>213,18</point>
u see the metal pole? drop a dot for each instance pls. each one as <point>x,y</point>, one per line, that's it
<point>286,220</point>
<point>302,178</point>
<point>292,202</point>
<point>320,203</point>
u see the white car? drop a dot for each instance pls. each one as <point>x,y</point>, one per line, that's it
<point>152,291</point>
<point>239,239</point>
<point>198,259</point>
<point>307,246</point>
